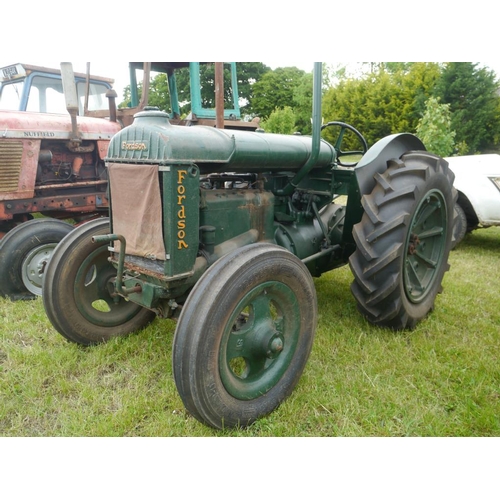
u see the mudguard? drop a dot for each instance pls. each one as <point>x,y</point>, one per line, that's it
<point>375,159</point>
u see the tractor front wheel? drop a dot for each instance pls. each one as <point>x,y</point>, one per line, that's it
<point>78,290</point>
<point>403,240</point>
<point>244,335</point>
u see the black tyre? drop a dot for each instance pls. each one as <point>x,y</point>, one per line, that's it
<point>403,241</point>
<point>77,290</point>
<point>459,225</point>
<point>24,254</point>
<point>244,335</point>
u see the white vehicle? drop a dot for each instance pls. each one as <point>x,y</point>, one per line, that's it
<point>477,180</point>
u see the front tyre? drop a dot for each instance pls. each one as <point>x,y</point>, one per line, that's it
<point>77,290</point>
<point>403,240</point>
<point>244,335</point>
<point>24,255</point>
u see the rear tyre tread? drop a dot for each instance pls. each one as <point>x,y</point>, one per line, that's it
<point>379,261</point>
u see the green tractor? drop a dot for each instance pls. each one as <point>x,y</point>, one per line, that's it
<point>224,230</point>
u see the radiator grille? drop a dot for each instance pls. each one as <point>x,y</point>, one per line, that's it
<point>11,153</point>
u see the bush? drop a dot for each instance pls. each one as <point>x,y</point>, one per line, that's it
<point>434,128</point>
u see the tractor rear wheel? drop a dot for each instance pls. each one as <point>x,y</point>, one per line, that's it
<point>24,254</point>
<point>403,240</point>
<point>244,335</point>
<point>77,290</point>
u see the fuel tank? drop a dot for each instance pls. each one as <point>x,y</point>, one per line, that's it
<point>153,139</point>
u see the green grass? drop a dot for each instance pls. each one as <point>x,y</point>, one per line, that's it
<point>441,379</point>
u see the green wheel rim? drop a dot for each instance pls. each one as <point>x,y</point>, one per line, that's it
<point>425,246</point>
<point>94,292</point>
<point>259,340</point>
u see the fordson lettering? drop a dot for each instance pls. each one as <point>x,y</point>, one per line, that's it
<point>134,146</point>
<point>181,214</point>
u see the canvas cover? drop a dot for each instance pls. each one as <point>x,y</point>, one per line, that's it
<point>136,209</point>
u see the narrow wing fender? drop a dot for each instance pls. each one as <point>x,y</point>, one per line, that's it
<point>376,158</point>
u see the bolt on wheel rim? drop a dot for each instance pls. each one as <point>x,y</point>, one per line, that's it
<point>425,246</point>
<point>259,340</point>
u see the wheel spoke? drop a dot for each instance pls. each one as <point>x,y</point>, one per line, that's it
<point>426,214</point>
<point>431,233</point>
<point>257,365</point>
<point>91,288</point>
<point>236,343</point>
<point>413,275</point>
<point>429,262</point>
<point>261,307</point>
<point>278,324</point>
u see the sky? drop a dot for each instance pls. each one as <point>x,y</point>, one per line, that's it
<point>118,70</point>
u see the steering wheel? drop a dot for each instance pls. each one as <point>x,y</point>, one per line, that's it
<point>343,127</point>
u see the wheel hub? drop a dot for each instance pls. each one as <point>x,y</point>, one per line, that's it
<point>263,340</point>
<point>34,266</point>
<point>275,347</point>
<point>256,353</point>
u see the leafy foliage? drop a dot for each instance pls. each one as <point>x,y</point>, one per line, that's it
<point>434,129</point>
<point>159,95</point>
<point>385,98</point>
<point>275,90</point>
<point>382,102</point>
<point>280,121</point>
<point>302,103</point>
<point>247,74</point>
<point>472,95</point>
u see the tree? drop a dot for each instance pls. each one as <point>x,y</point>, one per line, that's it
<point>280,121</point>
<point>159,94</point>
<point>418,81</point>
<point>368,104</point>
<point>388,100</point>
<point>275,89</point>
<point>247,75</point>
<point>434,128</point>
<point>474,103</point>
<point>302,103</point>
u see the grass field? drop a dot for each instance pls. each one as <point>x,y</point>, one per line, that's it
<point>441,379</point>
